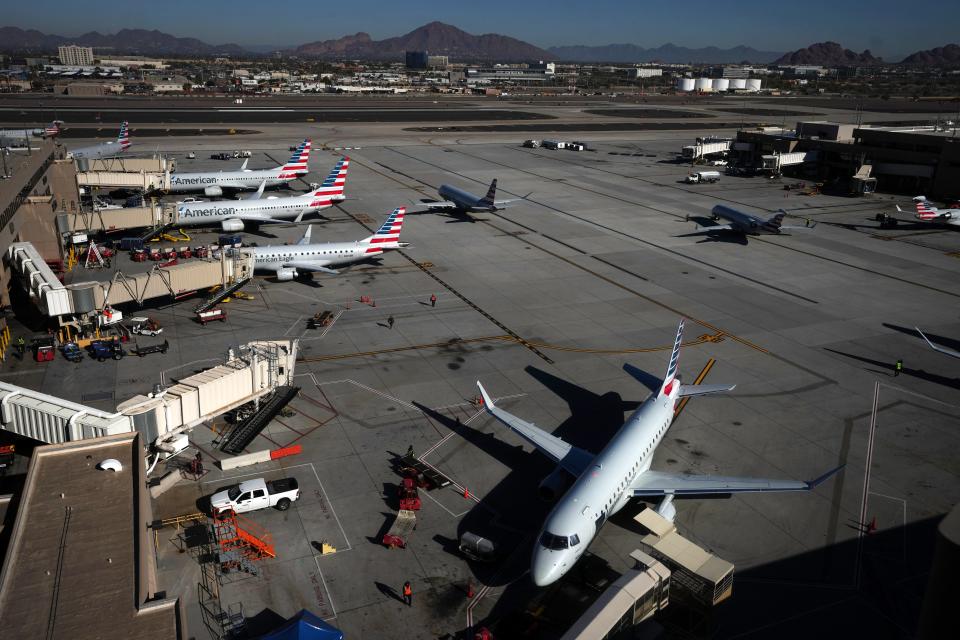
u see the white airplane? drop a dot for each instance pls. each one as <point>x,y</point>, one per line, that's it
<point>20,136</point>
<point>231,215</point>
<point>466,202</point>
<point>605,483</point>
<point>214,183</point>
<point>286,262</point>
<point>937,347</point>
<point>105,149</point>
<point>748,224</point>
<point>928,213</point>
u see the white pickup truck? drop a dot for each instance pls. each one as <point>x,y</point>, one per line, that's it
<point>252,495</point>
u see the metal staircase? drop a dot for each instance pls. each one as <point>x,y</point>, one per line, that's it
<point>220,294</point>
<point>241,543</point>
<point>244,432</point>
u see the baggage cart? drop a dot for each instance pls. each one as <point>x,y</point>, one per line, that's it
<point>400,530</point>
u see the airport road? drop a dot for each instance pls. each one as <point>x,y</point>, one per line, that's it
<point>593,271</point>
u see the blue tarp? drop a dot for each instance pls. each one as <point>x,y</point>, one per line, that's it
<point>305,626</point>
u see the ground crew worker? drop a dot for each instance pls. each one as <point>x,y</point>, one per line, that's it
<point>407,594</point>
<point>433,299</point>
<point>390,321</point>
<point>897,368</point>
<point>21,347</point>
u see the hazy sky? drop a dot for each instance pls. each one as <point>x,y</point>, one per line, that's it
<point>888,27</point>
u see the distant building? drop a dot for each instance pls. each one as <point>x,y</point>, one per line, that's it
<point>644,72</point>
<point>73,55</point>
<point>437,62</point>
<point>166,84</point>
<point>536,72</point>
<point>133,62</point>
<point>417,59</point>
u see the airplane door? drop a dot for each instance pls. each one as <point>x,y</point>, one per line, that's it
<point>601,519</point>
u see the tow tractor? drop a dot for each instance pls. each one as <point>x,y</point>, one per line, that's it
<point>71,351</point>
<point>103,349</point>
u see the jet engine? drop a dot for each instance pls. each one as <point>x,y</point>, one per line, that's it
<point>554,485</point>
<point>213,191</point>
<point>232,225</point>
<point>286,274</point>
<point>666,508</point>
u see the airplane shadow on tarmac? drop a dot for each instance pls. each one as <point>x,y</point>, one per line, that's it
<point>511,514</point>
<point>944,341</point>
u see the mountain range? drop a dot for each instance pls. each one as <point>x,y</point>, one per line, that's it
<point>668,53</point>
<point>128,41</point>
<point>436,37</point>
<point>443,39</point>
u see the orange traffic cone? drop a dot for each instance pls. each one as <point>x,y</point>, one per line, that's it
<point>470,588</point>
<point>872,527</point>
<point>466,492</point>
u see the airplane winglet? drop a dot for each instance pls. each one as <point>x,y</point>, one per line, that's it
<point>811,484</point>
<point>487,400</point>
<point>243,167</point>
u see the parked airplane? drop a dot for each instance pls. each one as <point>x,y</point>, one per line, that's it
<point>19,136</point>
<point>929,213</point>
<point>104,149</point>
<point>465,202</point>
<point>745,223</point>
<point>605,483</point>
<point>214,183</point>
<point>286,262</point>
<point>937,347</point>
<point>232,214</point>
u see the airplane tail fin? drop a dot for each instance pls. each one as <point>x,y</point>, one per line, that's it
<point>124,138</point>
<point>331,189</point>
<point>388,235</point>
<point>776,220</point>
<point>670,379</point>
<point>924,210</point>
<point>297,164</point>
<point>306,236</point>
<point>491,197</point>
<point>52,130</point>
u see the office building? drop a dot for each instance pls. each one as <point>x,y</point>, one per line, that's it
<point>76,56</point>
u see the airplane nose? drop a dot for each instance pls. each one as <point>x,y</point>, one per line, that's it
<point>543,570</point>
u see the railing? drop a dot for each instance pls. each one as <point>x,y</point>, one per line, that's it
<point>24,193</point>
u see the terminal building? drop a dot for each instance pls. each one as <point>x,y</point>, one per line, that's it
<point>912,161</point>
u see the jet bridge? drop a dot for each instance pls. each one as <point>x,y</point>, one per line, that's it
<point>56,300</point>
<point>150,217</point>
<point>165,417</point>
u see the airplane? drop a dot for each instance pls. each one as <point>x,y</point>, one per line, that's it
<point>286,262</point>
<point>747,224</point>
<point>231,215</point>
<point>104,149</point>
<point>605,483</point>
<point>214,183</point>
<point>18,136</point>
<point>929,213</point>
<point>465,202</point>
<point>953,353</point>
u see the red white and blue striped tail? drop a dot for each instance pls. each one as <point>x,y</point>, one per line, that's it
<point>331,190</point>
<point>925,211</point>
<point>52,131</point>
<point>124,138</point>
<point>388,235</point>
<point>297,164</point>
<point>670,380</point>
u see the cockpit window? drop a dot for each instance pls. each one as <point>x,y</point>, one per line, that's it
<point>574,540</point>
<point>553,542</point>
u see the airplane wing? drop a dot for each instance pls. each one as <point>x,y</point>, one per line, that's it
<point>566,455</point>
<point>250,216</point>
<point>716,227</point>
<point>442,204</point>
<point>936,347</point>
<point>660,483</point>
<point>306,265</point>
<point>258,193</point>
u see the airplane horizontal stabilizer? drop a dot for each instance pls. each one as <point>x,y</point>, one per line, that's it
<point>689,390</point>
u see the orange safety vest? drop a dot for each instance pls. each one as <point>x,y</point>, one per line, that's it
<point>407,590</point>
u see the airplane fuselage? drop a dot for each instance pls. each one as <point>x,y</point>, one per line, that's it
<point>215,212</point>
<point>236,180</point>
<point>744,222</point>
<point>602,490</point>
<point>273,258</point>
<point>97,151</point>
<point>465,200</point>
